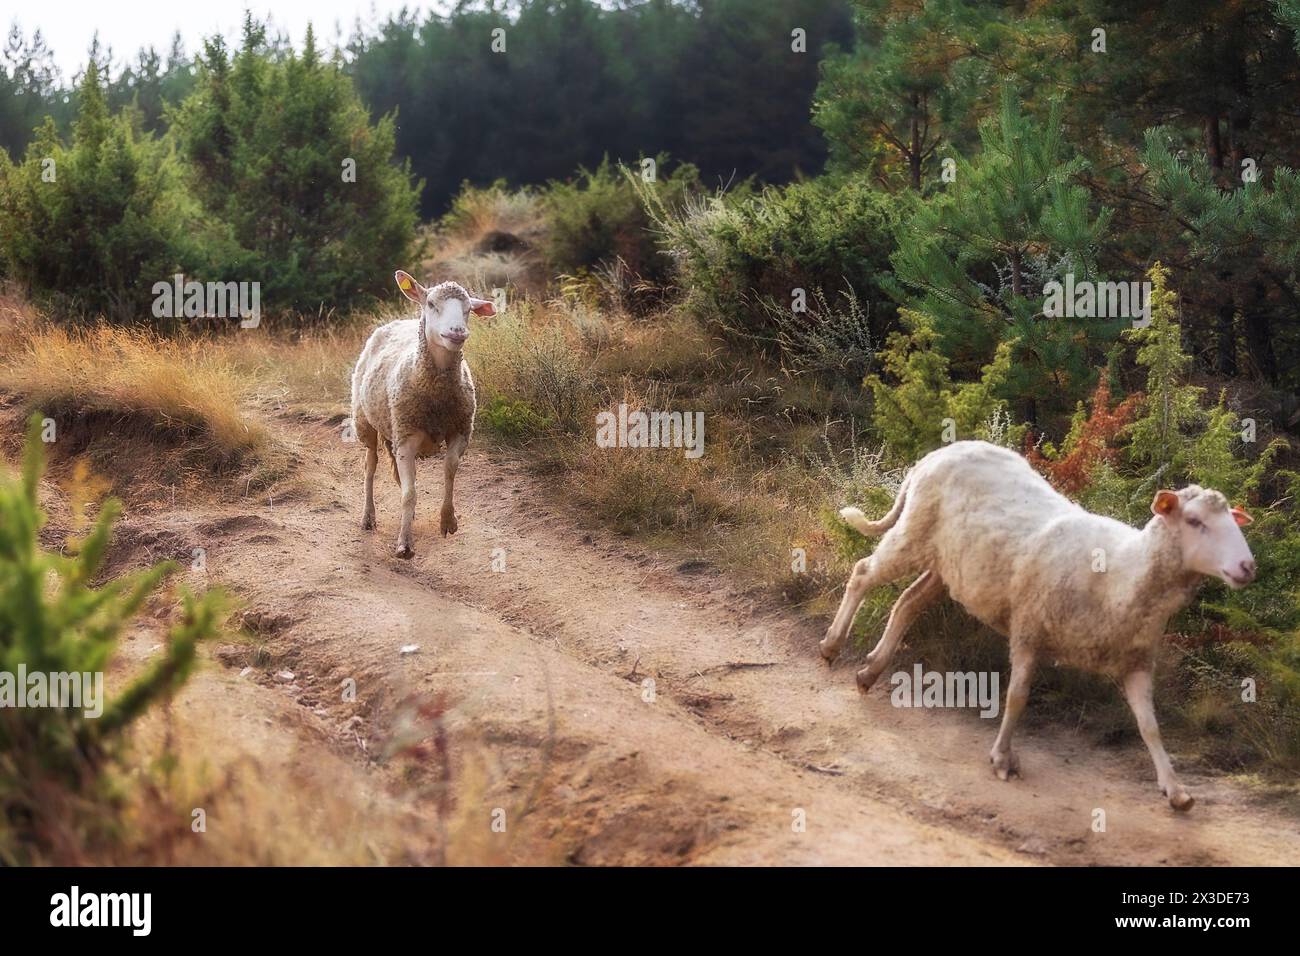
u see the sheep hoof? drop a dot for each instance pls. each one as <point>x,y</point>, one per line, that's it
<point>1181,800</point>
<point>449,525</point>
<point>405,552</point>
<point>866,677</point>
<point>1005,765</point>
<point>368,523</point>
<point>829,648</point>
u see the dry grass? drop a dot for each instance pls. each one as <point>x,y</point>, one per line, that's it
<point>173,385</point>
<point>308,371</point>
<point>147,412</point>
<point>490,239</point>
<point>547,368</point>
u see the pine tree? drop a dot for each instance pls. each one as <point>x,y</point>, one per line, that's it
<point>1248,236</point>
<point>918,80</point>
<point>305,193</point>
<point>56,618</point>
<point>97,222</point>
<point>975,260</point>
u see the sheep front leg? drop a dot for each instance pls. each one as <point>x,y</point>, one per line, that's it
<point>1005,763</point>
<point>455,448</point>
<point>1138,690</point>
<point>406,456</point>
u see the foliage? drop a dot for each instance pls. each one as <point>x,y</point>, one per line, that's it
<point>54,621</point>
<point>742,260</point>
<point>283,154</point>
<point>916,402</point>
<point>1089,442</point>
<point>96,222</point>
<point>917,81</point>
<point>975,260</point>
<point>598,217</point>
<point>514,419</point>
<point>1251,234</point>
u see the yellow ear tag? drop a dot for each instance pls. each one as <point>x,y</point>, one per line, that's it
<point>404,283</point>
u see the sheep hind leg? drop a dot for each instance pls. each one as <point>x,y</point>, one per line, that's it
<point>881,567</point>
<point>370,438</point>
<point>368,515</point>
<point>1005,762</point>
<point>919,595</point>
<point>1138,690</point>
<point>405,463</point>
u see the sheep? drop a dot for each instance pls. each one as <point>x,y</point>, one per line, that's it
<point>1062,584</point>
<point>412,390</point>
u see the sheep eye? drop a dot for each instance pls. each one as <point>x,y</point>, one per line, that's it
<point>1195,522</point>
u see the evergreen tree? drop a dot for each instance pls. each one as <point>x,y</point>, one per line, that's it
<point>97,222</point>
<point>1248,239</point>
<point>308,198</point>
<point>920,77</point>
<point>976,260</point>
<point>28,88</point>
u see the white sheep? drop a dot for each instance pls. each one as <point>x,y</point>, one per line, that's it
<point>1063,584</point>
<point>412,390</point>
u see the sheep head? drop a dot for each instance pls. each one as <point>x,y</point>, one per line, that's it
<point>444,310</point>
<point>1208,533</point>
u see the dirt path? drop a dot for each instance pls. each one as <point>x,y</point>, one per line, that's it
<point>743,734</point>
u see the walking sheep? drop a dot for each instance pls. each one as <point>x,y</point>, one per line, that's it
<point>412,390</point>
<point>1063,585</point>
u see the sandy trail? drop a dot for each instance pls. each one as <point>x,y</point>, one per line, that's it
<point>747,733</point>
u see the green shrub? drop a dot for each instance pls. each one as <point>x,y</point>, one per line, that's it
<point>742,258</point>
<point>479,210</point>
<point>514,419</point>
<point>92,225</point>
<point>54,760</point>
<point>282,153</point>
<point>598,218</point>
<point>916,402</point>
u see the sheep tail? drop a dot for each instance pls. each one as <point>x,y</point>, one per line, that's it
<point>858,520</point>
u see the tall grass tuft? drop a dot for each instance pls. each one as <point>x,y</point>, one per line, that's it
<point>106,388</point>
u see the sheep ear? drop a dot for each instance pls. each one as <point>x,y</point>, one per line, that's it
<point>410,288</point>
<point>1240,516</point>
<point>483,307</point>
<point>1165,503</point>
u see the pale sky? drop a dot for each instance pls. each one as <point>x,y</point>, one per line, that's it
<point>127,25</point>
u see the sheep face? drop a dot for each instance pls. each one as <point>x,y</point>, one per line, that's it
<point>444,310</point>
<point>1208,533</point>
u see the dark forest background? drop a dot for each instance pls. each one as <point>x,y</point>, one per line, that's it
<point>709,81</point>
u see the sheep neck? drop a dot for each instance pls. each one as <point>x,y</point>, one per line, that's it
<point>434,358</point>
<point>1163,586</point>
